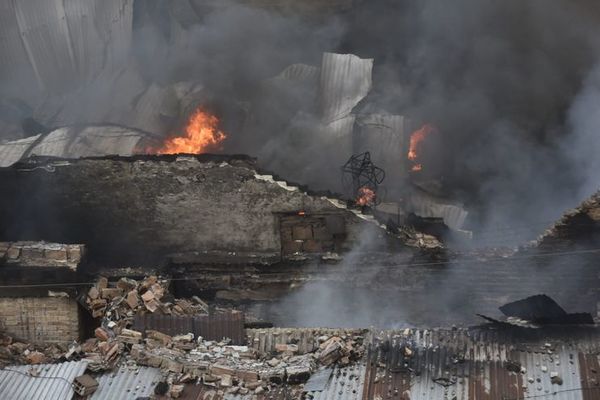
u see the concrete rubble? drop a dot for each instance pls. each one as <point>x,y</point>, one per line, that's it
<point>183,359</point>
<point>118,303</point>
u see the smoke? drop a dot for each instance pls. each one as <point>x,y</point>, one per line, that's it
<point>342,295</point>
<point>583,142</point>
<point>498,79</point>
<point>510,85</point>
<point>372,288</point>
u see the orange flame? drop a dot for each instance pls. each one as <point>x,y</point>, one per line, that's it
<point>365,196</point>
<point>416,139</point>
<point>201,134</point>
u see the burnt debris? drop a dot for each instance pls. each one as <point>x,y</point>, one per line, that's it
<point>360,173</point>
<point>539,310</point>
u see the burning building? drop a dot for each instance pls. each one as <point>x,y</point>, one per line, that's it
<point>261,200</point>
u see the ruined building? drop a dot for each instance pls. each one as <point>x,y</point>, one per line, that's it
<point>286,200</point>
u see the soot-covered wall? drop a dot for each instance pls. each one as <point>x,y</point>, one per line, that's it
<point>138,210</point>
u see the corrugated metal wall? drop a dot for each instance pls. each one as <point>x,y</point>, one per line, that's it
<point>214,327</point>
<point>59,43</point>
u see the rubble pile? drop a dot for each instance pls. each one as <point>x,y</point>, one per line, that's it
<point>184,359</point>
<point>16,352</point>
<point>240,369</point>
<point>117,304</point>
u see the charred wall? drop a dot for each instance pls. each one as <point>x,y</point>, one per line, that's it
<point>139,210</point>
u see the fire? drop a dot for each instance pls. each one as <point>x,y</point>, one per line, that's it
<point>365,196</point>
<point>416,139</point>
<point>201,134</point>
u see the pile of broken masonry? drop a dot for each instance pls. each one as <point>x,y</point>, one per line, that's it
<point>184,359</point>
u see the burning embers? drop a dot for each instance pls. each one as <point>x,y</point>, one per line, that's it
<point>362,177</point>
<point>416,141</point>
<point>202,134</point>
<point>365,197</point>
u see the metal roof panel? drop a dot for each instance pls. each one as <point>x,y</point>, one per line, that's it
<point>127,383</point>
<point>53,382</point>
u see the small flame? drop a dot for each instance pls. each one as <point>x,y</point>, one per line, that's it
<point>365,196</point>
<point>201,134</point>
<point>416,139</point>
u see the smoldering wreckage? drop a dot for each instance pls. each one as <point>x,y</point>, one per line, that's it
<point>140,264</point>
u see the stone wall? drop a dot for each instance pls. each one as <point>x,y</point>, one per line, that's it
<point>139,210</point>
<point>40,319</point>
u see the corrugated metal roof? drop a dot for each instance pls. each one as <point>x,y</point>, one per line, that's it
<point>385,137</point>
<point>318,381</point>
<point>74,142</point>
<point>63,42</point>
<point>345,80</point>
<point>484,364</point>
<point>11,152</point>
<point>299,72</point>
<point>345,384</point>
<point>384,130</point>
<point>201,392</point>
<point>339,132</point>
<point>53,382</point>
<point>14,61</point>
<point>127,383</point>
<point>214,327</point>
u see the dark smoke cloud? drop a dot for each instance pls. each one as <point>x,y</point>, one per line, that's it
<point>498,78</point>
<point>510,85</point>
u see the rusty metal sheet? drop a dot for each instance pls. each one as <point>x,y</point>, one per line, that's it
<point>201,392</point>
<point>210,327</point>
<point>513,364</point>
<point>589,372</point>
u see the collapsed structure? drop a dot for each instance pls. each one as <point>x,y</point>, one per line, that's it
<point>136,264</point>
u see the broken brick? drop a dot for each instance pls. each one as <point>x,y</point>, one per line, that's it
<point>35,357</point>
<point>111,293</point>
<point>101,334</point>
<point>132,299</point>
<point>93,293</point>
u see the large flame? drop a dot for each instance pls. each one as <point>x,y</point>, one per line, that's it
<point>366,196</point>
<point>416,139</point>
<point>201,135</point>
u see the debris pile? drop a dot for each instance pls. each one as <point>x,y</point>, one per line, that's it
<point>120,302</point>
<point>218,365</point>
<point>16,352</point>
<point>41,254</point>
<point>240,369</point>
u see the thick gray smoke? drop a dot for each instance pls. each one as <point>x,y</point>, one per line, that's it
<point>582,144</point>
<point>510,86</point>
<point>498,79</point>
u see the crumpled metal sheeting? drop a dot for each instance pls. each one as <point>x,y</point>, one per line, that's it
<point>11,152</point>
<point>385,137</point>
<point>150,108</point>
<point>64,42</point>
<point>53,383</point>
<point>345,81</point>
<point>299,72</point>
<point>74,142</point>
<point>425,206</point>
<point>127,384</point>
